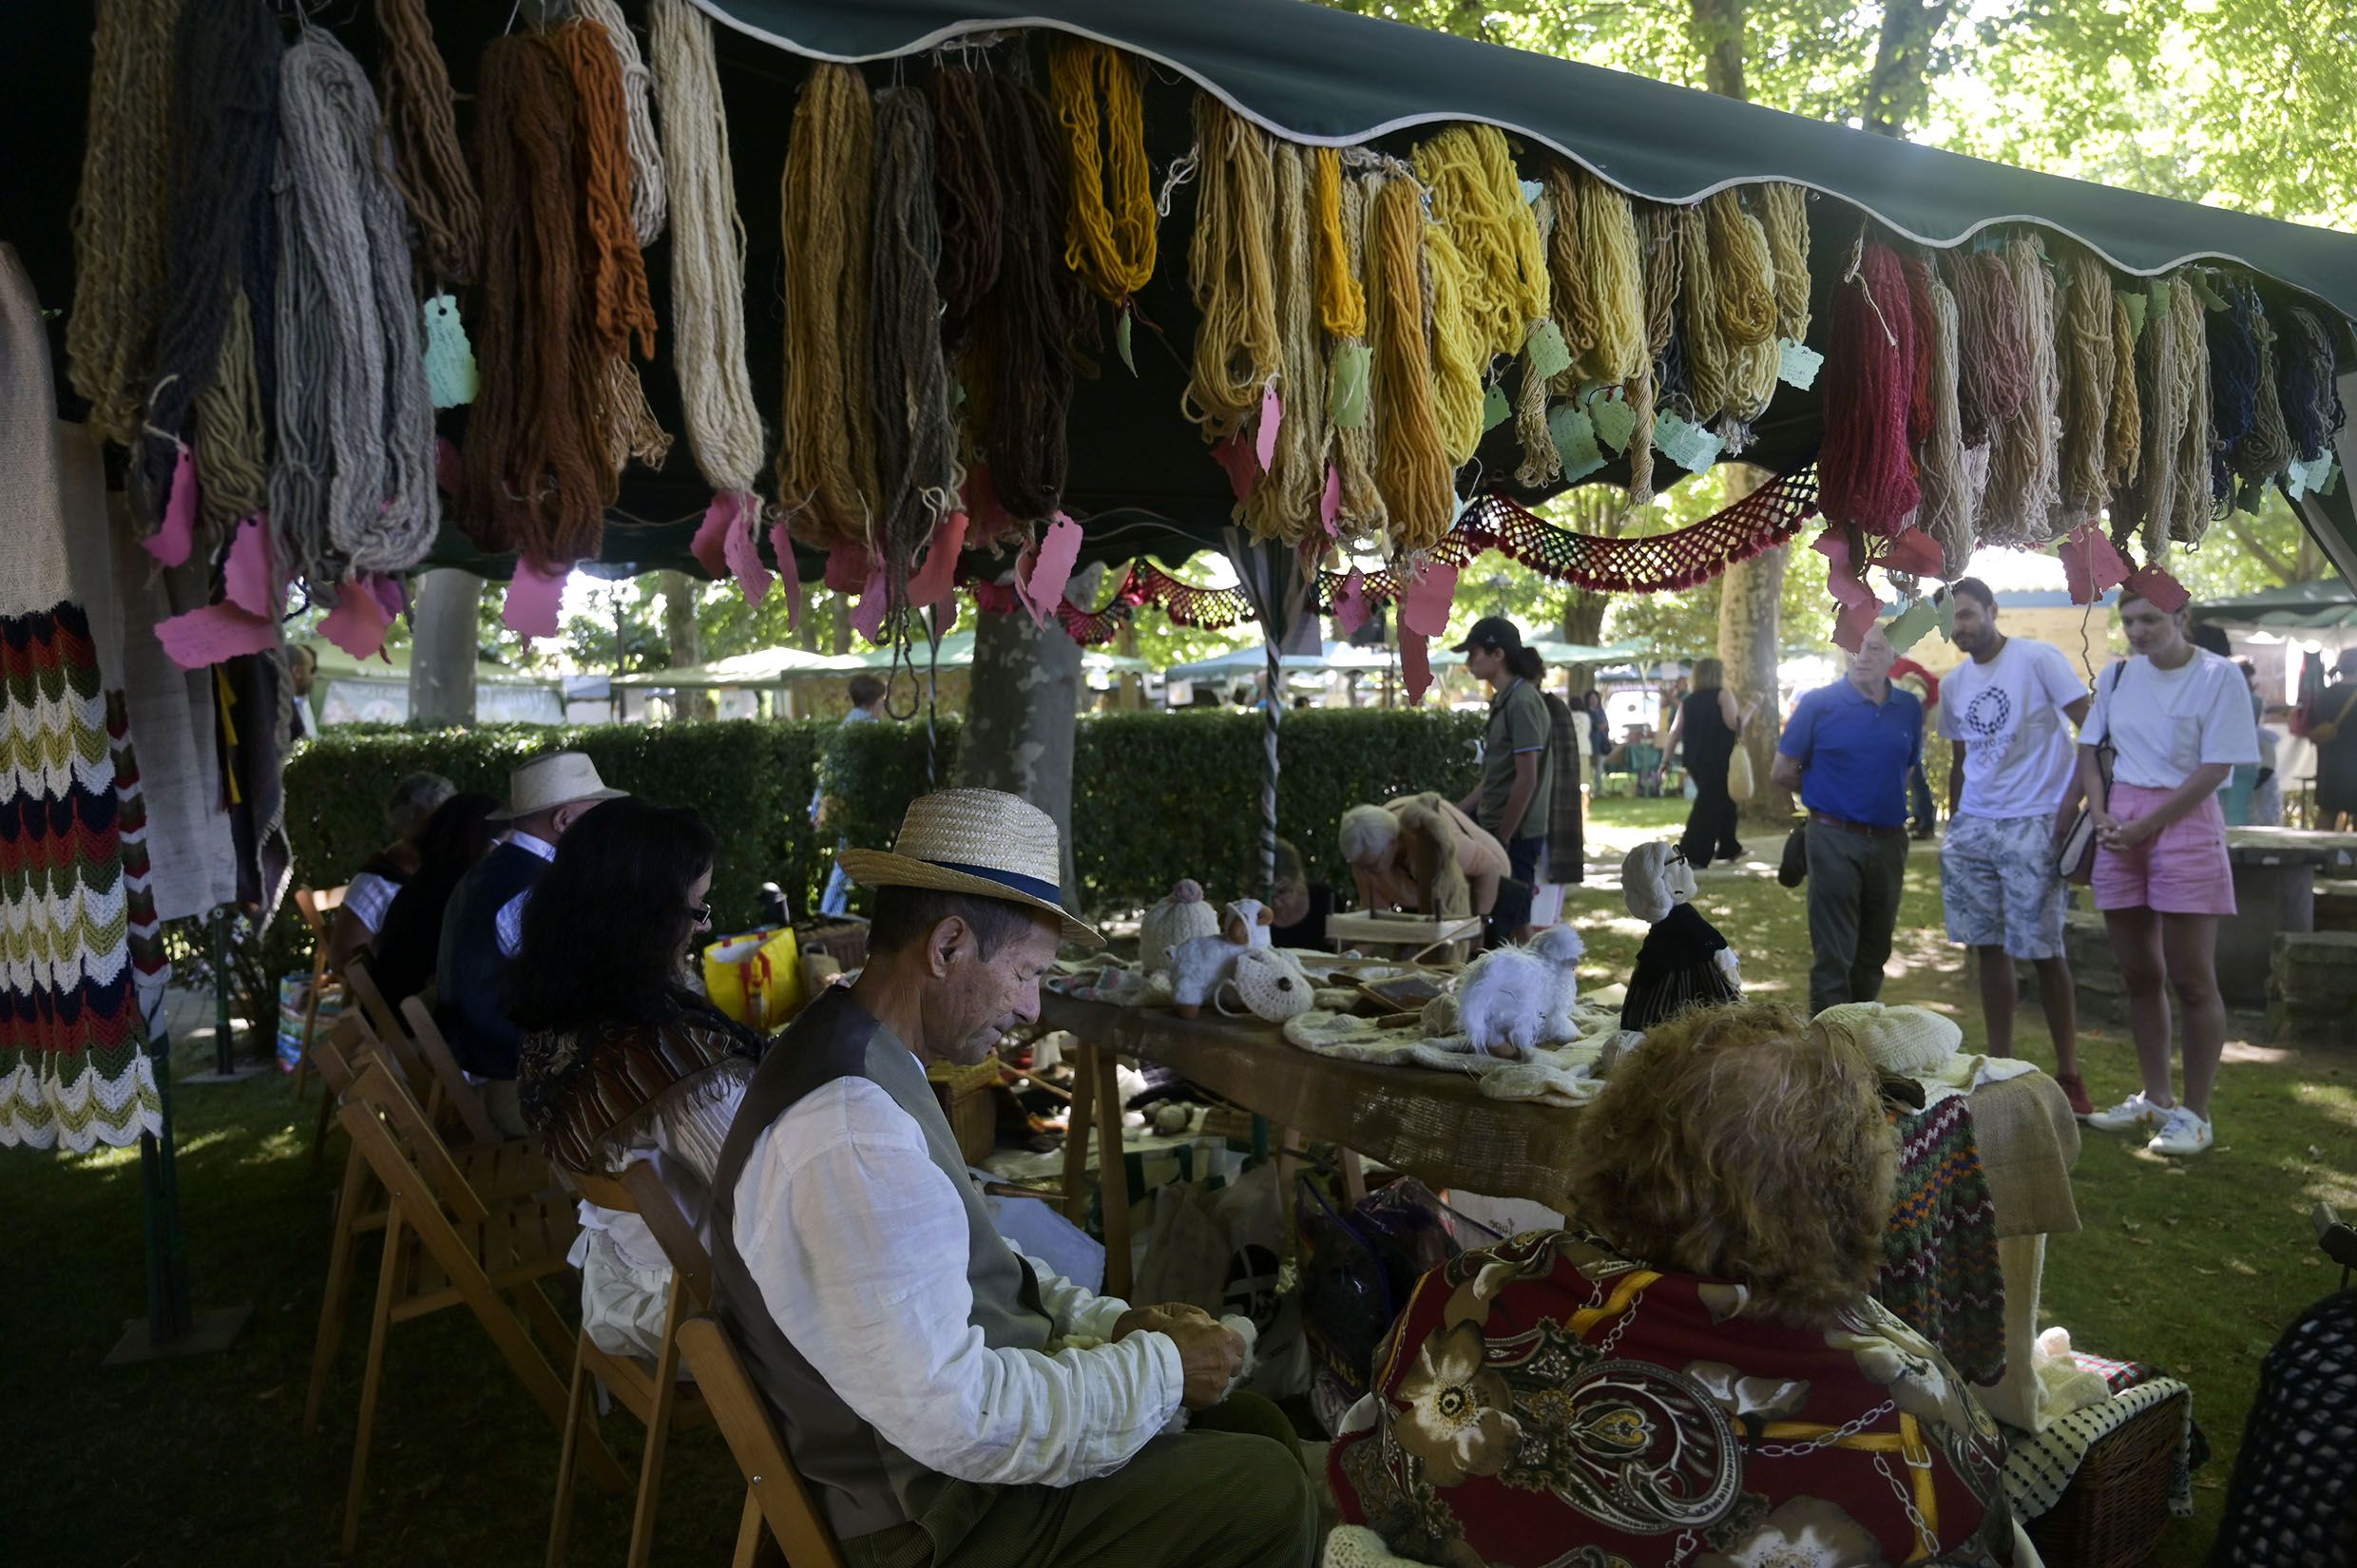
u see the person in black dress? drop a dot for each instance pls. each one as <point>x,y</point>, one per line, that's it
<point>455,837</point>
<point>1711,726</point>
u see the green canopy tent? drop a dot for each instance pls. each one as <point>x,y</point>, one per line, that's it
<point>2302,607</point>
<point>768,667</point>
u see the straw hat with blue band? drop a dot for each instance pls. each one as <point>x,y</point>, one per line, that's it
<point>981,842</point>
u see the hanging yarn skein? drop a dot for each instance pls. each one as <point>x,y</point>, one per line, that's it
<point>613,271</point>
<point>1657,230</point>
<point>826,456</point>
<point>1745,283</point>
<point>1574,313</point>
<point>707,252</point>
<point>1865,476</point>
<point>1710,359</point>
<point>1459,362</point>
<point>1363,518</point>
<point>2123,429</point>
<point>1613,280</point>
<point>2162,385</point>
<point>1477,200</point>
<point>1109,230</point>
<point>1994,378</point>
<point>1284,506</point>
<point>537,476</point>
<point>120,212</point>
<point>2188,519</point>
<point>965,186</point>
<point>648,198</point>
<point>1411,470</point>
<point>226,129</point>
<point>421,134</point>
<point>1341,299</point>
<point>1784,216</point>
<point>2264,453</point>
<point>2234,350</point>
<point>2083,356</point>
<point>2309,391</point>
<point>1027,329</point>
<point>1949,501</point>
<point>915,438</point>
<point>2025,484</point>
<point>1232,270</point>
<point>232,448</point>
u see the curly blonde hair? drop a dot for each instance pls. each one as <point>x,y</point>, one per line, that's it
<point>1743,1143</point>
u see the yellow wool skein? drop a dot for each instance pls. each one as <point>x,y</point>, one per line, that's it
<point>1109,235</point>
<point>1784,214</point>
<point>1478,198</point>
<point>826,459</point>
<point>1411,470</point>
<point>1460,356</point>
<point>1341,302</point>
<point>1742,271</point>
<point>1285,504</point>
<point>1232,270</point>
<point>1614,279</point>
<point>1709,355</point>
<point>1658,250</point>
<point>1364,516</point>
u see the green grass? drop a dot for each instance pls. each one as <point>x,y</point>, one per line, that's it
<point>2196,1267</point>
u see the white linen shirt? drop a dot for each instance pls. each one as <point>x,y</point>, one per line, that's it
<point>858,1244</point>
<point>511,917</point>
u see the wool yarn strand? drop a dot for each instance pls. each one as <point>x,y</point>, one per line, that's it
<point>967,191</point>
<point>1341,299</point>
<point>232,448</point>
<point>421,135</point>
<point>1613,280</point>
<point>1866,474</point>
<point>649,198</point>
<point>1362,517</point>
<point>1784,217</point>
<point>2083,354</point>
<point>1025,332</point>
<point>2024,481</point>
<point>1411,470</point>
<point>826,459</point>
<point>1477,199</point>
<point>915,439</point>
<point>1657,228</point>
<point>1232,271</point>
<point>1949,503</point>
<point>1109,228</point>
<point>1284,506</point>
<point>613,268</point>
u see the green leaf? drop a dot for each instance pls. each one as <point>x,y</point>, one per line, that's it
<point>1120,341</point>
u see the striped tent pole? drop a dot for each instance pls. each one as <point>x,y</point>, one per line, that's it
<point>1269,711</point>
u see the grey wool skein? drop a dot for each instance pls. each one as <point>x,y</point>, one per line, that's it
<point>353,487</point>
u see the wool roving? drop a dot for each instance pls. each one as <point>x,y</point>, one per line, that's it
<point>1411,470</point>
<point>707,251</point>
<point>1109,227</point>
<point>421,136</point>
<point>120,212</point>
<point>1866,474</point>
<point>648,197</point>
<point>353,487</point>
<point>1232,269</point>
<point>825,455</point>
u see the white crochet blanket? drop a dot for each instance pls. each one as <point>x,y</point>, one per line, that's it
<point>1562,1075</point>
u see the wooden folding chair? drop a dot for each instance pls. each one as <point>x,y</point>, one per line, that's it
<point>450,1087</point>
<point>317,906</point>
<point>649,1389</point>
<point>445,1245</point>
<point>776,1504</point>
<point>503,1173</point>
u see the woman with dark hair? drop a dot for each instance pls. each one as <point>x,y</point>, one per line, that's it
<point>1701,1376</point>
<point>1515,795</point>
<point>1711,727</point>
<point>621,1060</point>
<point>455,837</point>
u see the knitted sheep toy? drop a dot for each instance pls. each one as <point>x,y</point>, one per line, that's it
<point>1199,964</point>
<point>1514,999</point>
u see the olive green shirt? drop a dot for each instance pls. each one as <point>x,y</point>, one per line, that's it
<point>1518,723</point>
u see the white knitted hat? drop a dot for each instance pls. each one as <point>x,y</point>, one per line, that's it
<point>1271,983</point>
<point>1907,1040</point>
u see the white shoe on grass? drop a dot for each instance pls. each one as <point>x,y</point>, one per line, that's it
<point>2182,1133</point>
<point>2134,1114</point>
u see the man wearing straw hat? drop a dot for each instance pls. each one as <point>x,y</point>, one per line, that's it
<point>485,923</point>
<point>900,1344</point>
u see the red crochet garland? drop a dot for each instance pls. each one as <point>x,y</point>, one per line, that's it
<point>1766,518</point>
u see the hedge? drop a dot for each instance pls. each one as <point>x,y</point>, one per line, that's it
<point>1156,797</point>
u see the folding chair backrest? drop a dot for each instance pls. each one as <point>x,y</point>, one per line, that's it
<point>380,1097</point>
<point>456,1092</point>
<point>639,1191</point>
<point>742,1416</point>
<point>333,1055</point>
<point>317,906</point>
<point>390,1034</point>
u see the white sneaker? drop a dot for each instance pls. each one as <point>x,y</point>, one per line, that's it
<point>2182,1133</point>
<point>2131,1114</point>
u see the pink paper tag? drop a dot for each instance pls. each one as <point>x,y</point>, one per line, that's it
<point>938,574</point>
<point>172,541</point>
<point>1329,502</point>
<point>790,572</point>
<point>1264,439</point>
<point>1042,588</point>
<point>212,634</point>
<point>357,624</point>
<point>1915,551</point>
<point>450,472</point>
<point>246,577</point>
<point>1841,578</point>
<point>1350,606</point>
<point>742,547</point>
<point>388,593</point>
<point>1423,609</point>
<point>1232,455</point>
<point>1415,666</point>
<point>533,597</point>
<point>868,615</point>
<point>710,545</point>
<point>1856,621</point>
<point>2158,588</point>
<point>946,615</point>
<point>847,568</point>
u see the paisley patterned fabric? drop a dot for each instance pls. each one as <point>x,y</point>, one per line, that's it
<point>1547,1404</point>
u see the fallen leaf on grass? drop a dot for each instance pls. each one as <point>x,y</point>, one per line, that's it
<point>2199,1270</point>
<point>2171,1221</point>
<point>2314,1152</point>
<point>2311,1263</point>
<point>2129,1225</point>
<point>2139,1241</point>
<point>2241,1268</point>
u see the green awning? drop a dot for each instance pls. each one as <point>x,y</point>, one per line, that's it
<point>2306,607</point>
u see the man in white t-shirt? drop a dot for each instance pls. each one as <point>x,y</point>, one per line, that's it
<point>2009,711</point>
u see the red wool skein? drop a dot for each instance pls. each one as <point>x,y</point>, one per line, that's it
<point>1866,474</point>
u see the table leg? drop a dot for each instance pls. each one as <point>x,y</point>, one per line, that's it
<point>1112,1174</point>
<point>1076,1134</point>
<point>1354,1178</point>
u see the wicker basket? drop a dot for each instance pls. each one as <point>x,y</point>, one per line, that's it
<point>845,941</point>
<point>2112,1514</point>
<point>969,1098</point>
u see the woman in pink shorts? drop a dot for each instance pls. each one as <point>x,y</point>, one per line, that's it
<point>2177,720</point>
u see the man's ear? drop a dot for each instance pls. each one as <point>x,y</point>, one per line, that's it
<point>949,934</point>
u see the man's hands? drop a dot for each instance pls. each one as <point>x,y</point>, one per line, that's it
<point>1208,1355</point>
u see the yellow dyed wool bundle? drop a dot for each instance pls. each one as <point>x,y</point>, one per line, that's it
<point>1284,506</point>
<point>1232,270</point>
<point>1362,517</point>
<point>1784,214</point>
<point>1664,278</point>
<point>1411,469</point>
<point>1477,198</point>
<point>1460,360</point>
<point>1109,230</point>
<point>2089,369</point>
<point>1341,298</point>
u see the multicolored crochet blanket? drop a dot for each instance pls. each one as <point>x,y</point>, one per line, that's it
<point>1940,1273</point>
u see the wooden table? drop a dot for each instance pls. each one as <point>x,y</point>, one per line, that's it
<point>2275,871</point>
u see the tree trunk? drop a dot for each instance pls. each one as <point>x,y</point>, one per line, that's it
<point>1133,686</point>
<point>1584,624</point>
<point>687,642</point>
<point>1021,715</point>
<point>1898,90</point>
<point>1750,620</point>
<point>842,623</point>
<point>806,620</point>
<point>442,648</point>
<point>1718,28</point>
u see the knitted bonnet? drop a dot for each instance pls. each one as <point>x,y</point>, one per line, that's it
<point>1906,1040</point>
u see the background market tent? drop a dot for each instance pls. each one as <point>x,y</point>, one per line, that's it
<point>376,691</point>
<point>769,667</point>
<point>2304,606</point>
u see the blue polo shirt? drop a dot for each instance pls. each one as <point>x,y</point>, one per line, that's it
<point>1854,753</point>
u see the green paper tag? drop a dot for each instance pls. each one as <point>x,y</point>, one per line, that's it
<point>1947,615</point>
<point>1912,625</point>
<point>2210,298</point>
<point>1345,400</point>
<point>2136,304</point>
<point>1494,409</point>
<point>1797,364</point>
<point>1690,447</point>
<point>1120,341</point>
<point>1615,421</point>
<point>2314,478</point>
<point>1575,441</point>
<point>1545,351</point>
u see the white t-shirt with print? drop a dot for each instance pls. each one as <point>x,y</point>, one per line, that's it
<point>2166,723</point>
<point>2018,751</point>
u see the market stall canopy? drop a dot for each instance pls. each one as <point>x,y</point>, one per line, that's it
<point>773,666</point>
<point>2308,606</point>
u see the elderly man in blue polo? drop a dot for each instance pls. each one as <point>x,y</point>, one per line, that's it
<point>1848,752</point>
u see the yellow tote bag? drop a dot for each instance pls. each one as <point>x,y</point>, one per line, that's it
<point>1739,786</point>
<point>756,977</point>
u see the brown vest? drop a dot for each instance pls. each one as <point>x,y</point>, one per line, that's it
<point>863,1482</point>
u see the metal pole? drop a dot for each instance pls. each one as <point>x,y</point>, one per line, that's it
<point>1269,706</point>
<point>222,1056</point>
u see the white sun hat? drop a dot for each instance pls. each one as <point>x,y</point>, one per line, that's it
<point>561,779</point>
<point>982,842</point>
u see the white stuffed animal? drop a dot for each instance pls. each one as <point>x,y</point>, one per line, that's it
<point>1199,964</point>
<point>1514,999</point>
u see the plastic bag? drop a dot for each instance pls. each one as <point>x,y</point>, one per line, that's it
<point>756,977</point>
<point>293,1001</point>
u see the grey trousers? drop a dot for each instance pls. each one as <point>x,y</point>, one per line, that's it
<point>1230,1491</point>
<point>1854,907</point>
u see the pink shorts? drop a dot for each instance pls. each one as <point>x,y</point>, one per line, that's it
<point>2182,870</point>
